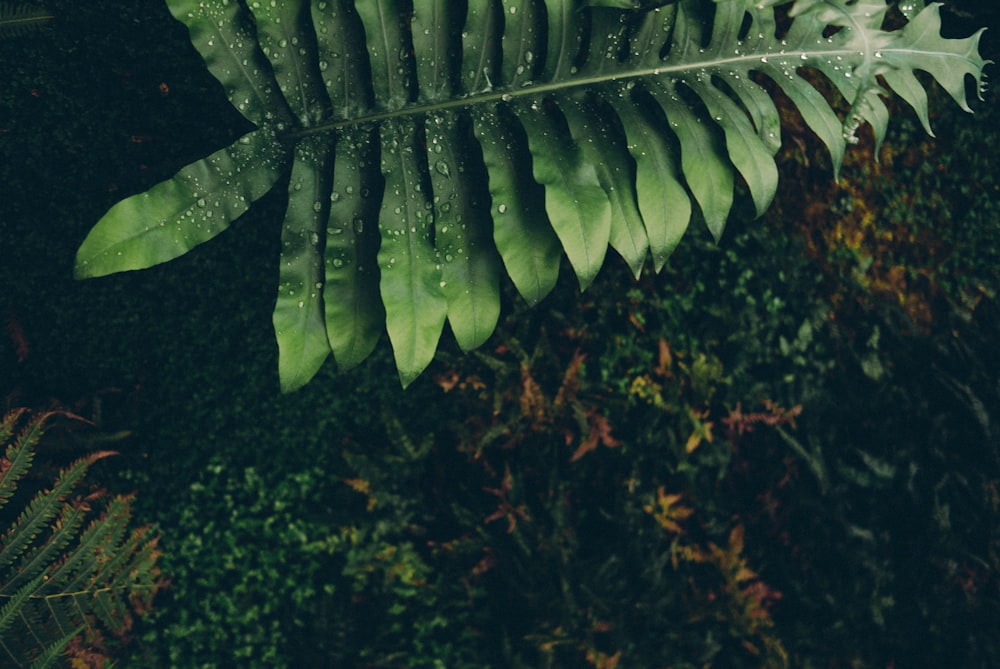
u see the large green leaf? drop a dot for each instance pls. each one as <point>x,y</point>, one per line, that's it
<point>429,143</point>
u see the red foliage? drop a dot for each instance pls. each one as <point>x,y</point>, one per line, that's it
<point>739,423</point>
<point>22,348</point>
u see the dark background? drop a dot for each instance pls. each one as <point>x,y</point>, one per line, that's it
<point>110,99</point>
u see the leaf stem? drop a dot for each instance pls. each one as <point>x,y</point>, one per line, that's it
<point>489,95</point>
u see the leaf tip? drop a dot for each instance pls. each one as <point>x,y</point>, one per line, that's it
<point>407,377</point>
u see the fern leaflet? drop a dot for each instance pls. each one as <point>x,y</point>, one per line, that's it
<point>18,19</point>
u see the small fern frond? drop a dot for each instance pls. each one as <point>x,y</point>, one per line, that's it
<point>16,19</point>
<point>41,557</point>
<point>11,611</point>
<point>58,578</point>
<point>20,452</point>
<point>100,537</point>
<point>43,509</point>
<point>52,654</point>
<point>9,423</point>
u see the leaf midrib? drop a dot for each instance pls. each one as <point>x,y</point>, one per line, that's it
<point>741,62</point>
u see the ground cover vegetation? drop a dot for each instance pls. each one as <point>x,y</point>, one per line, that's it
<point>781,451</point>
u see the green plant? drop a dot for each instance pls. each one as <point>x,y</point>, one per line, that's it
<point>16,19</point>
<point>347,577</point>
<point>425,143</point>
<point>61,582</point>
<point>357,490</point>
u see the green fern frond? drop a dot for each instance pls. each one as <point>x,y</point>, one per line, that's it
<point>42,509</point>
<point>100,538</point>
<point>432,146</point>
<point>11,610</point>
<point>42,556</point>
<point>17,19</point>
<point>132,564</point>
<point>19,452</point>
<point>55,579</point>
<point>9,423</point>
<point>53,653</point>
